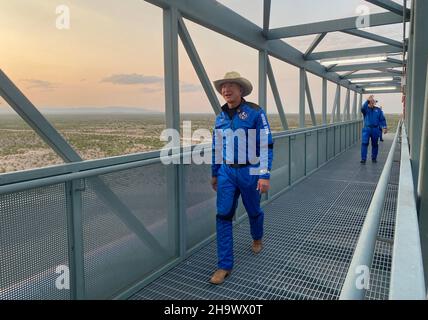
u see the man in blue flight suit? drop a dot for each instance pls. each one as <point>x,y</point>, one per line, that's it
<point>239,168</point>
<point>373,120</point>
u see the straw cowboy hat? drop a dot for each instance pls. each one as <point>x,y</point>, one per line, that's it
<point>235,77</point>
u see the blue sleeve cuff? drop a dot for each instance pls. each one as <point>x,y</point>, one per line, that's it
<point>265,176</point>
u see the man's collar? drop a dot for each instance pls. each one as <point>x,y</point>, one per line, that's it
<point>225,107</point>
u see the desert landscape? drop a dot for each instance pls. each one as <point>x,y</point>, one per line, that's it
<point>96,136</point>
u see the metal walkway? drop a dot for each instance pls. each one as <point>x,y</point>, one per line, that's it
<point>310,235</point>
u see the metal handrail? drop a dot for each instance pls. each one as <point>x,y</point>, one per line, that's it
<point>67,168</point>
<point>364,251</point>
<point>407,273</point>
<point>83,169</point>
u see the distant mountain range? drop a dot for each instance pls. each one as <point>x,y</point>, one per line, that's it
<point>89,110</point>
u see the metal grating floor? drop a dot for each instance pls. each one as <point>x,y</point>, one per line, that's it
<point>310,235</point>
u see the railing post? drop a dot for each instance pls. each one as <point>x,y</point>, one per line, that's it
<point>324,101</point>
<point>338,116</point>
<point>302,98</point>
<point>175,176</point>
<point>73,191</point>
<point>263,79</point>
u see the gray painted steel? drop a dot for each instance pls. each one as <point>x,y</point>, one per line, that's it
<point>378,19</point>
<point>364,250</point>
<point>407,272</point>
<point>309,241</point>
<point>391,6</point>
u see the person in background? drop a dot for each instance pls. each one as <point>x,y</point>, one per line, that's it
<point>373,120</point>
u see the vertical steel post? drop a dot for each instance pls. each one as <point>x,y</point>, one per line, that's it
<point>360,103</point>
<point>420,58</point>
<point>263,79</point>
<point>338,103</point>
<point>324,101</point>
<point>302,98</point>
<point>409,73</point>
<point>423,187</point>
<point>354,107</point>
<point>175,181</point>
<point>73,191</point>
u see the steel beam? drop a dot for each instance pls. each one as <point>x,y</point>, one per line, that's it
<point>29,113</point>
<point>374,37</point>
<point>364,66</point>
<point>346,109</point>
<point>391,6</point>
<point>266,16</point>
<point>174,172</point>
<point>369,75</point>
<point>379,92</point>
<point>314,44</point>
<point>225,21</point>
<point>422,190</point>
<point>339,102</point>
<point>310,103</point>
<point>377,19</point>
<point>198,66</point>
<point>302,98</point>
<point>347,53</point>
<point>354,107</point>
<point>276,95</point>
<point>335,105</point>
<point>73,190</point>
<point>420,59</point>
<point>263,79</point>
<point>380,84</point>
<point>324,101</point>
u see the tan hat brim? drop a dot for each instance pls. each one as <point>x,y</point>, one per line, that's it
<point>246,85</point>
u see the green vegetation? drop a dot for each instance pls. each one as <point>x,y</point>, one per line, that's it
<point>100,136</point>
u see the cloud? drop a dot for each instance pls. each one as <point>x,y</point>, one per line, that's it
<point>150,84</point>
<point>40,84</point>
<point>151,90</point>
<point>190,87</point>
<point>132,79</point>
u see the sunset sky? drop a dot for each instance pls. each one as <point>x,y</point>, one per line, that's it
<point>112,54</point>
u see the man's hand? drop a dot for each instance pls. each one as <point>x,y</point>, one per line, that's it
<point>385,130</point>
<point>214,183</point>
<point>263,185</point>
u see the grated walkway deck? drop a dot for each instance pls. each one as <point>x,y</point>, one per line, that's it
<point>310,235</point>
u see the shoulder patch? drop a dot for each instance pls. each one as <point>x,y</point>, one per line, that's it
<point>253,105</point>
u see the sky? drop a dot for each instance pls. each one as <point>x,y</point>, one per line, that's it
<point>112,54</point>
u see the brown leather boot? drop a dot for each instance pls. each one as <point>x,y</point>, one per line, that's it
<point>257,246</point>
<point>219,276</point>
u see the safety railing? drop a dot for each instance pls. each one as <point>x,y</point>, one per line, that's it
<point>407,273</point>
<point>64,237</point>
<point>353,289</point>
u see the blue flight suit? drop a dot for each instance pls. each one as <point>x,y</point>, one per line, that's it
<point>380,128</point>
<point>373,120</point>
<point>233,173</point>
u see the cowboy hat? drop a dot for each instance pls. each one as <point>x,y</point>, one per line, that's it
<point>235,77</point>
